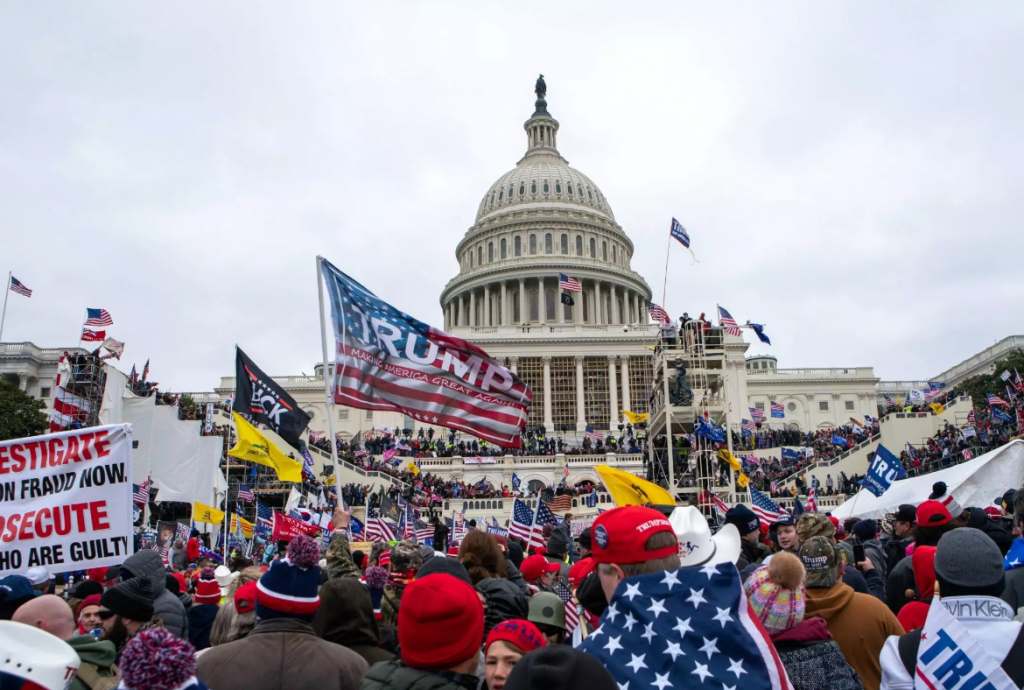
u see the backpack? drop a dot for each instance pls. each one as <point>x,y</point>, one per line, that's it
<point>1013,664</point>
<point>89,674</point>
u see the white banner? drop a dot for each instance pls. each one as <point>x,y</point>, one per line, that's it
<point>949,656</point>
<point>916,395</point>
<point>66,500</point>
<point>209,418</point>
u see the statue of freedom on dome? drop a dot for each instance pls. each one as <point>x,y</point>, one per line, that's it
<point>541,89</point>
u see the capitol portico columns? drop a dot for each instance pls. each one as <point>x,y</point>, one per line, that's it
<point>463,321</point>
<point>513,364</point>
<point>581,408</point>
<point>615,307</point>
<point>472,308</point>
<point>547,393</point>
<point>625,382</point>
<point>503,311</point>
<point>597,303</point>
<point>487,305</point>
<point>613,393</point>
<point>523,317</point>
<point>559,307</point>
<point>542,302</point>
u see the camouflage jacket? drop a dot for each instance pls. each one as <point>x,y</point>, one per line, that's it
<point>339,558</point>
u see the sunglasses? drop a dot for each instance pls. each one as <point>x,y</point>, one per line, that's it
<point>104,615</point>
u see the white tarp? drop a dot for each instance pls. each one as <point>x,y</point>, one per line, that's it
<point>114,395</point>
<point>184,466</point>
<point>973,483</point>
<point>66,500</point>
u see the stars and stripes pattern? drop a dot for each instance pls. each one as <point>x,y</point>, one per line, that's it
<point>378,529</point>
<point>748,425</point>
<point>812,497</point>
<point>684,628</point>
<point>69,410</point>
<point>996,400</point>
<point>19,287</point>
<point>420,371</point>
<point>569,284</point>
<point>543,517</point>
<point>778,411</point>
<point>765,508</point>
<point>245,493</point>
<point>140,493</point>
<point>521,525</point>
<point>707,498</point>
<point>594,434</point>
<point>971,417</point>
<point>264,519</point>
<point>95,318</point>
<point>572,611</point>
<point>728,323</point>
<point>560,504</point>
<point>757,413</point>
<point>658,314</point>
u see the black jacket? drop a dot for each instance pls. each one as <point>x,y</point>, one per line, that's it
<point>900,580</point>
<point>896,551</point>
<point>441,538</point>
<point>750,554</point>
<point>394,675</point>
<point>200,623</point>
<point>503,601</point>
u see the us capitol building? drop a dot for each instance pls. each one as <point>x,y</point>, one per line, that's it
<point>585,362</point>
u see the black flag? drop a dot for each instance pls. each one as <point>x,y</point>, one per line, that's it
<point>567,299</point>
<point>258,397</point>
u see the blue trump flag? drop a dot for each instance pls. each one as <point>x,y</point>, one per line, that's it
<point>792,454</point>
<point>759,331</point>
<point>1000,415</point>
<point>838,440</point>
<point>884,470</point>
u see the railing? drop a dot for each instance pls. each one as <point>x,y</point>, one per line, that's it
<point>836,372</point>
<point>831,461</point>
<point>645,329</point>
<point>54,352</point>
<point>989,355</point>
<point>535,260</point>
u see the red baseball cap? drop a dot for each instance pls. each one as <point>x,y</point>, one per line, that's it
<point>621,534</point>
<point>580,570</point>
<point>932,514</point>
<point>534,567</point>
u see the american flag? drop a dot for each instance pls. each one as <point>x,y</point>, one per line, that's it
<point>778,410</point>
<point>888,400</point>
<point>98,317</point>
<point>679,233</point>
<point>812,497</point>
<point>544,517</point>
<point>967,454</point>
<point>264,519</point>
<point>245,493</point>
<point>971,418</point>
<point>68,409</point>
<point>402,445</point>
<point>728,323</point>
<point>360,453</point>
<point>775,485</point>
<point>521,525</point>
<point>16,286</point>
<point>707,634</point>
<point>596,435</point>
<point>569,284</point>
<point>658,314</point>
<point>424,531</point>
<point>996,400</point>
<point>765,508</point>
<point>140,493</point>
<point>89,336</point>
<point>748,425</point>
<point>757,413</point>
<point>434,377</point>
<point>572,612</point>
<point>560,504</point>
<point>708,498</point>
<point>378,529</point>
<point>932,392</point>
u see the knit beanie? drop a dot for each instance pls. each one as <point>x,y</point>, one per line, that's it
<point>560,667</point>
<point>91,600</point>
<point>940,492</point>
<point>968,562</point>
<point>440,622</point>
<point>523,634</point>
<point>131,599</point>
<point>207,589</point>
<point>87,588</point>
<point>291,587</point>
<point>865,530</point>
<point>159,660</point>
<point>923,562</point>
<point>449,566</point>
<point>776,592</point>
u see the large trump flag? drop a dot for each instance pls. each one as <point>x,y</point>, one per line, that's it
<point>388,360</point>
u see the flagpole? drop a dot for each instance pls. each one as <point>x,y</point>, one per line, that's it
<point>7,293</point>
<point>664,287</point>
<point>327,385</point>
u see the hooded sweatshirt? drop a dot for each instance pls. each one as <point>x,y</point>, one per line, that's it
<point>346,617</point>
<point>100,653</point>
<point>166,606</point>
<point>859,623</point>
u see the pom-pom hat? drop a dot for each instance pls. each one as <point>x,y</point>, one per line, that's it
<point>207,589</point>
<point>156,659</point>
<point>290,588</point>
<point>620,535</point>
<point>776,592</point>
<point>33,659</point>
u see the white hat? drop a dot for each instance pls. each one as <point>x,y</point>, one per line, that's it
<point>35,655</point>
<point>38,575</point>
<point>696,545</point>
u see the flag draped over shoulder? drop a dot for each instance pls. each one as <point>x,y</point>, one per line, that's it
<point>630,490</point>
<point>253,446</point>
<point>388,360</point>
<point>260,398</point>
<point>685,628</point>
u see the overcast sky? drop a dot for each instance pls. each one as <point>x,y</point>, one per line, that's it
<point>849,173</point>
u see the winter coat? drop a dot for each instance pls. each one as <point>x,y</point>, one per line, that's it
<point>345,617</point>
<point>441,537</point>
<point>502,601</point>
<point>281,653</point>
<point>394,675</point>
<point>179,559</point>
<point>200,623</point>
<point>515,552</point>
<point>900,580</point>
<point>100,653</point>
<point>516,577</point>
<point>874,552</point>
<point>812,658</point>
<point>339,558</point>
<point>896,551</point>
<point>166,606</point>
<point>980,520</point>
<point>859,623</point>
<point>192,550</point>
<point>750,554</point>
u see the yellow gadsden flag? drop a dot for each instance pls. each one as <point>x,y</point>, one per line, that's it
<point>727,457</point>
<point>630,490</point>
<point>937,408</point>
<point>204,513</point>
<point>246,526</point>
<point>255,447</point>
<point>636,418</point>
<point>742,480</point>
<point>412,468</point>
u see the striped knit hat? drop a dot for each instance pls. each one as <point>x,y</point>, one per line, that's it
<point>776,592</point>
<point>290,588</point>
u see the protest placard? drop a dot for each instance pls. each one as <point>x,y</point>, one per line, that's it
<point>66,500</point>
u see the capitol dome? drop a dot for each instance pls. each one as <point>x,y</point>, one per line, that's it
<point>543,179</point>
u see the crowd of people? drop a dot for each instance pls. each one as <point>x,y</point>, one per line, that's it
<point>838,604</point>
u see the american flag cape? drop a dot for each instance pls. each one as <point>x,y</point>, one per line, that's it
<point>707,637</point>
<point>388,360</point>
